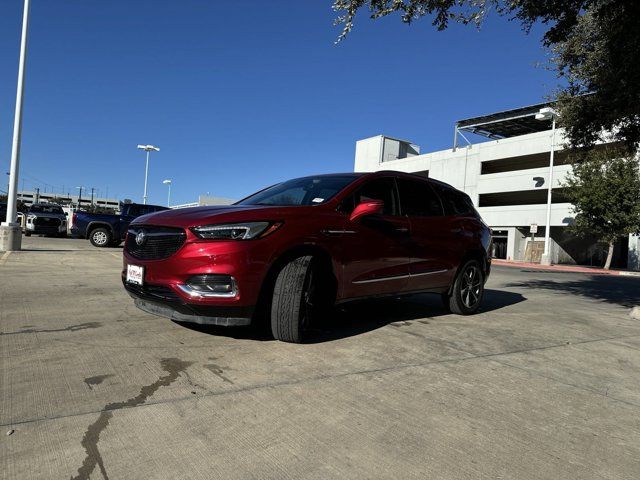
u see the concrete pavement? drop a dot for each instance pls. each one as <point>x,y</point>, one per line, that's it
<point>543,384</point>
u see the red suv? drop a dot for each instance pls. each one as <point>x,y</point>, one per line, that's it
<point>294,249</point>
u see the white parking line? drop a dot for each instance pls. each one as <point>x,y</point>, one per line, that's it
<point>4,257</point>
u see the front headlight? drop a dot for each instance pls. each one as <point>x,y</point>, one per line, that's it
<point>236,231</point>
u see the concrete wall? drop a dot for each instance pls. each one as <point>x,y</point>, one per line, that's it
<point>368,154</point>
<point>461,169</point>
<point>524,215</point>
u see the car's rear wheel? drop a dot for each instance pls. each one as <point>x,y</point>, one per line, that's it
<point>468,289</point>
<point>294,294</point>
<point>100,237</point>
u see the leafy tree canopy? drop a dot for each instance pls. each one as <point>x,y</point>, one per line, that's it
<point>603,188</point>
<point>595,46</point>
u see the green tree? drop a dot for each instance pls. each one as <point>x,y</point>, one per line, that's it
<point>595,46</point>
<point>604,188</point>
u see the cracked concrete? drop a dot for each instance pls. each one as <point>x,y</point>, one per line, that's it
<point>541,385</point>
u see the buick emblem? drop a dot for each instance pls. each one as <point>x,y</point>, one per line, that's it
<point>141,237</point>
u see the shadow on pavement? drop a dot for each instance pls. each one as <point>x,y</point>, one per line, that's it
<point>610,289</point>
<point>358,317</point>
<point>45,250</point>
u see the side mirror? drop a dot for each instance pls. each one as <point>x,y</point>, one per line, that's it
<point>371,207</point>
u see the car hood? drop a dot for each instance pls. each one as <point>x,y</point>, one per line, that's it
<point>194,216</point>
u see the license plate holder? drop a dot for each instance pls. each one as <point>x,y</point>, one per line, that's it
<point>135,274</point>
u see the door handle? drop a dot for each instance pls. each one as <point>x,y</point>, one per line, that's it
<point>336,231</point>
<point>402,229</point>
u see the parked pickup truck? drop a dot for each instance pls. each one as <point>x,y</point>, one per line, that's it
<point>105,230</point>
<point>46,219</point>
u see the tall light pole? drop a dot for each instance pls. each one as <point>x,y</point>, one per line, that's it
<point>546,114</point>
<point>79,197</point>
<point>148,149</point>
<point>10,234</point>
<point>168,182</point>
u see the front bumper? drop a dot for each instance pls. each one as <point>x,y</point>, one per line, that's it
<point>165,280</point>
<point>45,229</point>
<point>163,302</point>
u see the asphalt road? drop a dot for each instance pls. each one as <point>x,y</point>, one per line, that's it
<point>543,384</point>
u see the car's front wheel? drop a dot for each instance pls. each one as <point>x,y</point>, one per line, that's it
<point>468,289</point>
<point>294,293</point>
<point>100,237</point>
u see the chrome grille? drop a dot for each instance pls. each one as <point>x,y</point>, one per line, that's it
<point>154,243</point>
<point>47,221</point>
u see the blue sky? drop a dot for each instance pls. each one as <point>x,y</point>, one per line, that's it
<point>239,95</point>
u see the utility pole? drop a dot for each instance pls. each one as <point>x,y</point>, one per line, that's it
<point>10,231</point>
<point>92,190</point>
<point>546,114</point>
<point>148,149</point>
<point>79,197</point>
<point>168,183</point>
<point>37,199</point>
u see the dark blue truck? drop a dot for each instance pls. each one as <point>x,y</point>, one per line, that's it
<point>104,229</point>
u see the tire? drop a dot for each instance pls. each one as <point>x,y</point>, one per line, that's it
<point>27,234</point>
<point>291,308</point>
<point>468,289</point>
<point>100,237</point>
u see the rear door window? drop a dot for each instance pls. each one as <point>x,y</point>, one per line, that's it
<point>455,202</point>
<point>418,199</point>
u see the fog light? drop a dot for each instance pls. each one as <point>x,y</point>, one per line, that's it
<point>210,285</point>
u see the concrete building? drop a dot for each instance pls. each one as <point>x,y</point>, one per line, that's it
<point>30,197</point>
<point>206,200</point>
<point>507,178</point>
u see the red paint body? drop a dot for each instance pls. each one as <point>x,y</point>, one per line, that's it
<point>422,252</point>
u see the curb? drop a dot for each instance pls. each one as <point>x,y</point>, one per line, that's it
<point>562,268</point>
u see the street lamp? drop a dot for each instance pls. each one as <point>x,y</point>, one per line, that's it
<point>546,114</point>
<point>146,148</point>
<point>10,232</point>
<point>168,182</point>
<point>79,197</point>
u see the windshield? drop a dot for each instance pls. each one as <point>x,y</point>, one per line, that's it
<point>301,191</point>
<point>46,209</point>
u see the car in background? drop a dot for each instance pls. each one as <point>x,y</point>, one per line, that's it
<point>104,229</point>
<point>291,251</point>
<point>45,219</point>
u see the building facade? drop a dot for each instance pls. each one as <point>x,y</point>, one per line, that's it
<point>29,197</point>
<point>204,200</point>
<point>507,178</point>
